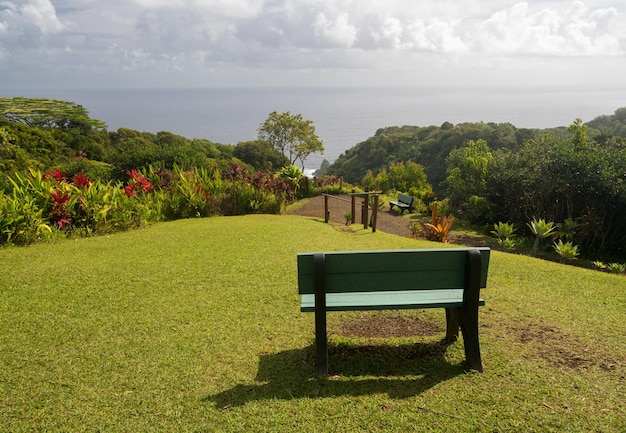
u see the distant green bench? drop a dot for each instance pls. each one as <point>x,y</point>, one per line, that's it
<point>449,278</point>
<point>404,202</point>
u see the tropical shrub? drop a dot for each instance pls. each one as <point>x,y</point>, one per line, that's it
<point>505,233</point>
<point>616,268</point>
<point>437,229</point>
<point>328,185</point>
<point>567,229</point>
<point>407,177</point>
<point>39,206</point>
<point>540,229</point>
<point>567,250</point>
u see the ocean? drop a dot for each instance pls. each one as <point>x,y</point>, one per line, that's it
<point>343,117</point>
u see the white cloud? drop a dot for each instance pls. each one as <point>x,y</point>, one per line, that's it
<point>547,31</point>
<point>165,36</point>
<point>38,13</point>
<point>27,24</point>
<point>338,32</point>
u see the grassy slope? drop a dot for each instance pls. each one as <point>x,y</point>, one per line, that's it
<point>194,326</point>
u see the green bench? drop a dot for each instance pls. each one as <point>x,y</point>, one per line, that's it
<point>404,202</point>
<point>449,278</point>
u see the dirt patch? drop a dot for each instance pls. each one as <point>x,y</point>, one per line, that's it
<point>560,349</point>
<point>387,325</point>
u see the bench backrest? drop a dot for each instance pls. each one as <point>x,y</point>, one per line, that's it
<point>393,270</point>
<point>405,199</point>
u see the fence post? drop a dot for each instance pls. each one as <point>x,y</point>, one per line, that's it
<point>326,211</point>
<point>375,213</point>
<point>366,203</point>
<point>353,220</point>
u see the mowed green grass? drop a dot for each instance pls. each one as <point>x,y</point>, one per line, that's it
<point>194,326</point>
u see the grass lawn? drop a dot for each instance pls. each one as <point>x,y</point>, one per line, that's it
<point>194,326</point>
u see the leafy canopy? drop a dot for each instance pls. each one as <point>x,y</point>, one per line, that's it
<point>48,113</point>
<point>290,134</point>
<point>468,168</point>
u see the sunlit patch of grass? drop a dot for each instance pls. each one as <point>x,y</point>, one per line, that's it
<point>194,325</point>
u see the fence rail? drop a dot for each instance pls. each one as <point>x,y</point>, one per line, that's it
<point>365,207</point>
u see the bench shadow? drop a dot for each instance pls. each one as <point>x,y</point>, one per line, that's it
<point>399,371</point>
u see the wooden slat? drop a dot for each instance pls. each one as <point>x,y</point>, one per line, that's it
<point>393,270</point>
<point>357,301</point>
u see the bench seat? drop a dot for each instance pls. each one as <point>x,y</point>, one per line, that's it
<point>386,300</point>
<point>404,202</point>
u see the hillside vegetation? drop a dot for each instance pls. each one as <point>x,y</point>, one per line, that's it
<point>485,173</point>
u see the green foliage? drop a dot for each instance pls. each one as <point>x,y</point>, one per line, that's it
<point>437,229</point>
<point>291,135</point>
<point>201,192</point>
<point>427,146</point>
<point>406,177</point>
<point>540,229</point>
<point>504,230</point>
<point>573,174</point>
<point>582,185</point>
<point>329,185</point>
<point>139,150</point>
<point>567,229</point>
<point>566,250</point>
<point>616,268</point>
<point>348,217</point>
<point>297,182</point>
<point>580,135</point>
<point>39,206</point>
<point>48,113</point>
<point>509,244</point>
<point>600,265</point>
<point>613,267</point>
<point>505,233</point>
<point>610,126</point>
<point>22,211</point>
<point>476,210</point>
<point>260,155</point>
<point>30,147</point>
<point>92,169</point>
<point>468,168</point>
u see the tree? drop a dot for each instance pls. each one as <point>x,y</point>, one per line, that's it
<point>565,179</point>
<point>290,134</point>
<point>48,113</point>
<point>580,136</point>
<point>468,168</point>
<point>260,155</point>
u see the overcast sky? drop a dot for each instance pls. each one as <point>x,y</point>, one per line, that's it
<point>129,43</point>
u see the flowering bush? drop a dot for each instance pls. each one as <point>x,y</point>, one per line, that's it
<point>40,206</point>
<point>136,184</point>
<point>328,184</point>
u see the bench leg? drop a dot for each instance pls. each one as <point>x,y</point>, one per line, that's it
<point>469,328</point>
<point>452,325</point>
<point>321,343</point>
<point>468,315</point>
<point>321,339</point>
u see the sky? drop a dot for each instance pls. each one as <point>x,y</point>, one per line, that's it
<point>216,43</point>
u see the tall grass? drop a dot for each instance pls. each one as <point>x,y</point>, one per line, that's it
<point>194,326</point>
